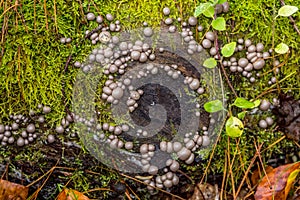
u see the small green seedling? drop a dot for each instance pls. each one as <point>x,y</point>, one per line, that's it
<point>213,106</point>
<point>210,63</point>
<point>244,103</point>
<point>208,10</point>
<point>282,48</point>
<point>219,24</point>
<point>234,126</point>
<point>284,11</point>
<point>228,49</point>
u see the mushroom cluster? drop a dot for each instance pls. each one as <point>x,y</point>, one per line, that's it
<point>23,130</point>
<point>143,71</point>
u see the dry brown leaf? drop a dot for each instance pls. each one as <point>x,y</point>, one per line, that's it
<point>70,194</point>
<point>9,191</point>
<point>277,183</point>
<point>258,173</point>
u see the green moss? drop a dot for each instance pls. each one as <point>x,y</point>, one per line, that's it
<point>33,62</point>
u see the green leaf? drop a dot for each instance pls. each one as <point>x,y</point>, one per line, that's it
<point>201,9</point>
<point>241,115</point>
<point>281,48</point>
<point>210,63</point>
<point>234,127</point>
<point>209,12</point>
<point>256,103</point>
<point>221,1</point>
<point>228,49</point>
<point>213,106</point>
<point>243,103</point>
<point>219,24</point>
<point>287,10</point>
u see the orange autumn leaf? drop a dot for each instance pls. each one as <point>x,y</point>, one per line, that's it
<point>70,194</point>
<point>257,174</point>
<point>9,191</point>
<point>277,183</point>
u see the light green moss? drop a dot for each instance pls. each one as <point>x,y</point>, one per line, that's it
<point>31,70</point>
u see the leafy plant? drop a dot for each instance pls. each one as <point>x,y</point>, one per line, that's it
<point>287,10</point>
<point>210,63</point>
<point>213,106</point>
<point>234,126</point>
<point>219,24</point>
<point>228,49</point>
<point>284,11</point>
<point>282,48</point>
<point>208,10</point>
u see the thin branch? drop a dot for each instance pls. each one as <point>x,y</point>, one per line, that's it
<point>222,66</point>
<point>164,191</point>
<point>248,170</point>
<point>5,11</point>
<point>45,10</point>
<point>55,16</point>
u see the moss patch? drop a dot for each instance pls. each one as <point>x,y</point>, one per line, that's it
<point>33,62</point>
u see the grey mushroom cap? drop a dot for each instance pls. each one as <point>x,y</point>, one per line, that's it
<point>262,124</point>
<point>90,16</point>
<point>30,128</point>
<point>184,153</point>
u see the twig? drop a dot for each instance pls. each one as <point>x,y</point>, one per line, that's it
<point>278,66</point>
<point>50,171</point>
<point>45,10</point>
<point>138,198</point>
<point>5,172</point>
<point>268,90</point>
<point>184,174</point>
<point>262,164</point>
<point>128,195</point>
<point>291,19</point>
<point>164,191</point>
<point>55,17</point>
<point>222,66</point>
<point>82,12</point>
<point>230,166</point>
<point>212,153</point>
<point>8,10</point>
<point>273,144</point>
<point>248,170</point>
<point>34,16</point>
<point>224,176</point>
<point>3,34</point>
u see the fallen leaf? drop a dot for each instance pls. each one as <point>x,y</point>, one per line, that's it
<point>257,174</point>
<point>70,194</point>
<point>10,191</point>
<point>277,183</point>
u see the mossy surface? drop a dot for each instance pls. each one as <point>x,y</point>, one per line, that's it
<point>33,61</point>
